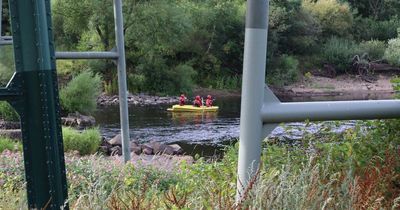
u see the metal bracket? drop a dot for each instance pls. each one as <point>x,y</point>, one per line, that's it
<point>13,89</point>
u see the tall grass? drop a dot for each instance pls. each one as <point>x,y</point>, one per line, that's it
<point>354,170</point>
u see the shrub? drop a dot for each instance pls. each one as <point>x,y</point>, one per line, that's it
<point>81,93</point>
<point>9,144</point>
<point>283,71</point>
<point>7,112</point>
<point>368,29</point>
<point>335,17</point>
<point>392,53</point>
<point>228,82</point>
<point>339,52</point>
<point>374,48</point>
<point>85,142</point>
<point>136,82</point>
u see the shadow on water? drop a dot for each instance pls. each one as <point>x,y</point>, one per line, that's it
<point>206,134</point>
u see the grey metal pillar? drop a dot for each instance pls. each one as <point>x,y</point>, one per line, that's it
<point>255,49</point>
<point>123,103</point>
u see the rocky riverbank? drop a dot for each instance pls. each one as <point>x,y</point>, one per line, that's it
<point>139,100</point>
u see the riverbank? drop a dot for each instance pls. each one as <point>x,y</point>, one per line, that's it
<point>341,85</point>
<point>308,87</point>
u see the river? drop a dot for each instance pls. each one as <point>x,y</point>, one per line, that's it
<point>207,134</point>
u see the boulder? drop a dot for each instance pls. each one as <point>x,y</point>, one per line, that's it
<point>11,133</point>
<point>158,148</point>
<point>177,150</point>
<point>147,150</point>
<point>9,125</point>
<point>135,148</point>
<point>117,140</point>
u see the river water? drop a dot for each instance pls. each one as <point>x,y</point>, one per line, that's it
<point>207,134</point>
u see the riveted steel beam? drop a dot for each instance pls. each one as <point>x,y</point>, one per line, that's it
<point>38,104</point>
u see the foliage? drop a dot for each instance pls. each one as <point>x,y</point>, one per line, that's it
<point>283,71</point>
<point>7,112</point>
<point>9,144</point>
<point>374,49</point>
<point>81,93</point>
<point>377,10</point>
<point>6,64</point>
<point>85,142</point>
<point>392,53</point>
<point>328,171</point>
<point>370,29</point>
<point>227,82</point>
<point>339,52</point>
<point>334,16</point>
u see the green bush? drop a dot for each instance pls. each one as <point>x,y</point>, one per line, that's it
<point>339,52</point>
<point>136,82</point>
<point>370,29</point>
<point>283,71</point>
<point>335,17</point>
<point>7,112</point>
<point>85,142</point>
<point>392,53</point>
<point>81,93</point>
<point>374,48</point>
<point>9,144</point>
<point>227,82</point>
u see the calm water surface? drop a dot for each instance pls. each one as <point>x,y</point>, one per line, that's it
<point>206,134</point>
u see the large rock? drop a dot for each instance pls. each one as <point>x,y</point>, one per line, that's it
<point>9,125</point>
<point>11,133</point>
<point>117,140</point>
<point>147,149</point>
<point>135,148</point>
<point>177,150</point>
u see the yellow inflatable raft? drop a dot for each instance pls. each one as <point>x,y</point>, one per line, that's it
<point>191,108</point>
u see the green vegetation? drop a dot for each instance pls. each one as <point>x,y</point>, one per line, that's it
<point>8,113</point>
<point>353,170</point>
<point>173,47</point>
<point>9,144</point>
<point>392,53</point>
<point>6,64</point>
<point>85,142</point>
<point>81,93</point>
<point>375,49</point>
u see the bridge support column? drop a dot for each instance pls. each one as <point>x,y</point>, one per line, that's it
<point>33,92</point>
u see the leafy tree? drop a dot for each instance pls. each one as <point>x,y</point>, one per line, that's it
<point>376,9</point>
<point>336,18</point>
<point>5,19</point>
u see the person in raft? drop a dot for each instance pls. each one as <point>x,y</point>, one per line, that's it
<point>197,101</point>
<point>182,100</point>
<point>209,101</point>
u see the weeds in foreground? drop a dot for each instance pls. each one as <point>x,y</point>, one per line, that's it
<point>350,171</point>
